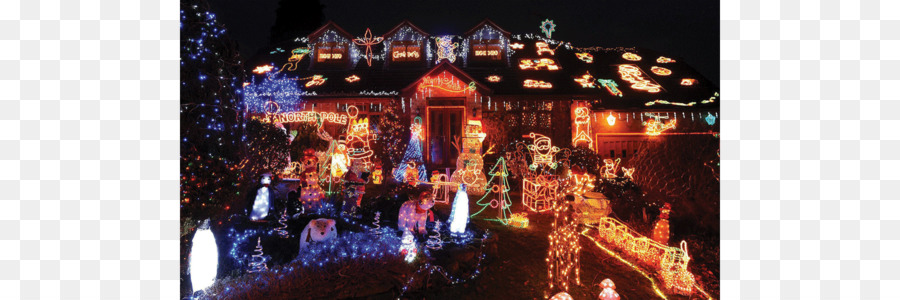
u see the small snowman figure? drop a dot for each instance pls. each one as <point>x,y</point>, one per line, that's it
<point>408,246</point>
<point>263,202</point>
<point>609,290</point>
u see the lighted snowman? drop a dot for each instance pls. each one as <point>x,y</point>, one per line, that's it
<point>408,247</point>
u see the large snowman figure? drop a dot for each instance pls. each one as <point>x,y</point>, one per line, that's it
<point>264,201</point>
<point>469,164</point>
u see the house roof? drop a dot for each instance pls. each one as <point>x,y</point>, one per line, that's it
<point>486,22</point>
<point>378,80</point>
<point>324,28</point>
<point>401,25</point>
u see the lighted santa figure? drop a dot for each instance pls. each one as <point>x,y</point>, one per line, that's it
<point>412,174</point>
<point>377,175</point>
<point>263,200</point>
<point>661,228</point>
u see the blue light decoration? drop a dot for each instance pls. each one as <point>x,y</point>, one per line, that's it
<point>501,187</point>
<point>710,119</point>
<point>277,88</point>
<point>429,269</point>
<point>413,153</point>
<point>548,27</point>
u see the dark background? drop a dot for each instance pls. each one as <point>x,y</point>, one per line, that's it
<point>685,29</point>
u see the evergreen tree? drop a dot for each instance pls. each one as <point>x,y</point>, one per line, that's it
<point>434,241</point>
<point>413,153</point>
<point>296,18</point>
<point>392,135</point>
<point>376,225</point>
<point>282,229</point>
<point>501,188</point>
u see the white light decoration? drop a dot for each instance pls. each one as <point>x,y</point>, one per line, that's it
<point>459,214</point>
<point>446,48</point>
<point>204,258</point>
<point>611,120</point>
<point>263,200</point>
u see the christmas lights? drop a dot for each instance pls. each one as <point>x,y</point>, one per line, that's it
<point>539,193</point>
<point>413,155</point>
<point>611,86</point>
<point>446,48</point>
<point>368,41</point>
<point>316,80</point>
<point>258,263</point>
<point>609,290</point>
<point>445,83</point>
<point>352,78</point>
<point>282,229</point>
<point>518,220</point>
<point>547,27</point>
<point>631,56</point>
<point>536,84</point>
<point>263,69</point>
<point>318,230</point>
<point>655,126</point>
<point>664,60</point>
<point>434,241</point>
<point>582,128</point>
<point>469,163</point>
<point>586,80</point>
<point>494,78</point>
<point>688,81</point>
<point>710,119</point>
<point>628,173</point>
<point>563,257</point>
<point>500,187</point>
<point>441,187</point>
<point>517,46</point>
<point>658,101</point>
<point>561,296</point>
<point>542,150</point>
<point>611,120</point>
<point>459,213</point>
<point>414,213</point>
<point>280,90</point>
<point>263,201</point>
<point>204,258</point>
<point>580,183</point>
<point>610,167</point>
<point>377,175</point>
<point>660,71</point>
<point>538,64</point>
<point>543,47</point>
<point>632,74</point>
<point>586,57</point>
<point>661,228</point>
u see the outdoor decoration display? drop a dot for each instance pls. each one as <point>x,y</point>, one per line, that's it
<point>413,156</point>
<point>543,47</point>
<point>633,74</point>
<point>498,190</point>
<point>296,56</point>
<point>609,290</point>
<point>655,126</point>
<point>688,81</point>
<point>543,152</point>
<point>628,173</point>
<point>459,213</point>
<point>340,161</point>
<point>408,248</point>
<point>281,230</point>
<point>582,128</point>
<point>674,272</point>
<point>204,259</point>
<point>318,230</point>
<point>562,296</point>
<point>440,186</point>
<point>446,48</point>
<point>631,56</point>
<point>518,220</point>
<point>311,194</point>
<point>661,228</point>
<point>377,175</point>
<point>548,27</point>
<point>258,262</point>
<point>368,41</point>
<point>357,143</point>
<point>610,166</point>
<point>434,241</point>
<point>264,200</point>
<point>469,163</point>
<point>564,255</point>
<point>660,71</point>
<point>354,189</point>
<point>580,182</point>
<point>414,212</point>
<point>376,224</point>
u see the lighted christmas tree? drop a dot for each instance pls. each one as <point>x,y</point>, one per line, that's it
<point>434,241</point>
<point>500,188</point>
<point>258,262</point>
<point>413,153</point>
<point>376,225</point>
<point>282,230</point>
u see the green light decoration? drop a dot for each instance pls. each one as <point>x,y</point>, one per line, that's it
<point>548,27</point>
<point>501,188</point>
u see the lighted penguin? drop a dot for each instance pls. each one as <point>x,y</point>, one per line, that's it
<point>318,230</point>
<point>413,213</point>
<point>263,201</point>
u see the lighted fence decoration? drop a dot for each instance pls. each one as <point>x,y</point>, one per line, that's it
<point>539,193</point>
<point>669,262</point>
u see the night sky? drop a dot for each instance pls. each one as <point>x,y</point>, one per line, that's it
<point>685,29</point>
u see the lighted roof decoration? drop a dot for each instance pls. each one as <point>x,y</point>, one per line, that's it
<point>332,36</point>
<point>631,56</point>
<point>296,56</point>
<point>446,48</point>
<point>633,74</point>
<point>263,69</point>
<point>688,81</point>
<point>445,83</point>
<point>494,78</point>
<point>586,57</point>
<point>547,27</point>
<point>316,80</point>
<point>586,80</point>
<point>352,78</point>
<point>664,60</point>
<point>538,64</point>
<point>660,71</point>
<point>368,41</point>
<point>277,88</point>
<point>537,84</point>
<point>611,86</point>
<point>543,47</point>
<point>655,126</point>
<point>407,32</point>
<point>517,46</point>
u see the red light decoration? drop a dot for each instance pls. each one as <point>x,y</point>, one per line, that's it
<point>517,46</point>
<point>352,78</point>
<point>368,41</point>
<point>660,71</point>
<point>537,84</point>
<point>446,83</point>
<point>582,127</point>
<point>538,64</point>
<point>631,56</point>
<point>586,81</point>
<point>632,74</point>
<point>263,69</point>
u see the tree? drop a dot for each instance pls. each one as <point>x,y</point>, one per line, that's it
<point>392,136</point>
<point>267,149</point>
<point>296,18</point>
<point>501,188</point>
<point>258,261</point>
<point>413,154</point>
<point>434,241</point>
<point>281,230</point>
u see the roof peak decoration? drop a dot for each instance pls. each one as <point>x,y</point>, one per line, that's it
<point>446,48</point>
<point>548,27</point>
<point>368,41</point>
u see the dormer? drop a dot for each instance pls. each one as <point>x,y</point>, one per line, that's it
<point>405,46</point>
<point>332,48</point>
<point>486,45</point>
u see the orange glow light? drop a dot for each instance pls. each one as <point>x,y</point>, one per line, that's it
<point>633,74</point>
<point>538,64</point>
<point>586,57</point>
<point>516,46</point>
<point>664,60</point>
<point>631,56</point>
<point>542,48</point>
<point>494,78</point>
<point>316,80</point>
<point>352,78</point>
<point>263,69</point>
<point>688,81</point>
<point>446,83</point>
<point>537,84</point>
<point>660,71</point>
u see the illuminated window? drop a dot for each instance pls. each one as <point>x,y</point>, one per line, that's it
<point>486,50</point>
<point>331,52</point>
<point>406,51</point>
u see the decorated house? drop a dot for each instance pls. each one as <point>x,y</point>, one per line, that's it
<point>608,99</point>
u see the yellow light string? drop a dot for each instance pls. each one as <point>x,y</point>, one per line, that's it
<point>636,268</point>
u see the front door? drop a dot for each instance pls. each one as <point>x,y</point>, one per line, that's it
<point>444,124</point>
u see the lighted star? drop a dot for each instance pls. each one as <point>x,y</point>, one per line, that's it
<point>263,69</point>
<point>368,41</point>
<point>548,27</point>
<point>352,78</point>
